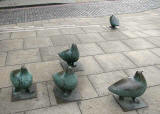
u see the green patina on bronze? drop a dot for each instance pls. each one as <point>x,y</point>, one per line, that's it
<point>130,87</point>
<point>22,82</point>
<point>66,82</point>
<point>114,21</point>
<point>70,55</point>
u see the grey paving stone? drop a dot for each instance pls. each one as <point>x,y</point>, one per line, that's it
<point>51,53</point>
<point>2,58</point>
<point>101,82</point>
<point>90,37</point>
<point>113,35</point>
<point>151,74</point>
<point>23,56</point>
<point>143,57</point>
<point>43,71</point>
<point>4,36</point>
<point>89,49</point>
<point>154,40</point>
<point>138,43</point>
<point>151,96</point>
<point>112,62</point>
<point>102,105</point>
<point>72,30</point>
<point>69,108</point>
<point>156,51</point>
<point>37,42</point>
<point>8,45</point>
<point>23,34</point>
<point>6,106</point>
<point>114,46</point>
<point>5,75</point>
<point>89,65</point>
<point>49,32</point>
<point>152,32</point>
<point>135,34</point>
<point>93,29</point>
<point>61,40</point>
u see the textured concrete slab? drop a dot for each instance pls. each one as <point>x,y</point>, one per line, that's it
<point>3,58</point>
<point>23,34</point>
<point>114,46</point>
<point>143,58</point>
<point>4,36</point>
<point>102,105</point>
<point>112,62</point>
<point>23,56</point>
<point>6,106</point>
<point>70,108</point>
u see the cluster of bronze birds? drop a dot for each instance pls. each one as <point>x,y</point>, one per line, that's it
<point>66,80</point>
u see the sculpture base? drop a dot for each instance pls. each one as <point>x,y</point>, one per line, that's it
<point>60,98</point>
<point>78,66</point>
<point>22,95</point>
<point>127,104</point>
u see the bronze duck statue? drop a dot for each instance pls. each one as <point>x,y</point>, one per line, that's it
<point>70,55</point>
<point>66,81</point>
<point>130,87</point>
<point>114,21</point>
<point>21,79</point>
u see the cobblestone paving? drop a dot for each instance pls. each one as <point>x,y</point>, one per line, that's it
<point>91,9</point>
<point>106,55</point>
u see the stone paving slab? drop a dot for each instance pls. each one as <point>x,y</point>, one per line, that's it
<point>23,34</point>
<point>6,106</point>
<point>2,58</point>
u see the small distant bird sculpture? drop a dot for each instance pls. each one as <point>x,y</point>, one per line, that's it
<point>114,21</point>
<point>70,55</point>
<point>130,87</point>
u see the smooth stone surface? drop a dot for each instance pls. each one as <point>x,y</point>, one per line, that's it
<point>4,36</point>
<point>17,96</point>
<point>23,56</point>
<point>6,106</point>
<point>112,62</point>
<point>156,51</point>
<point>4,75</point>
<point>143,58</point>
<point>151,74</point>
<point>151,96</point>
<point>102,105</point>
<point>37,42</point>
<point>3,58</point>
<point>89,49</point>
<point>69,108</point>
<point>101,82</point>
<point>152,32</point>
<point>93,29</point>
<point>135,34</point>
<point>49,32</point>
<point>90,66</point>
<point>8,45</point>
<point>127,104</point>
<point>154,40</point>
<point>43,71</point>
<point>113,35</point>
<point>23,34</point>
<point>51,53</point>
<point>114,46</point>
<point>90,37</point>
<point>138,43</point>
<point>71,30</point>
<point>63,40</point>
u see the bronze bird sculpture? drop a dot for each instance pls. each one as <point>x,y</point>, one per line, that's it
<point>130,87</point>
<point>21,79</point>
<point>114,21</point>
<point>70,55</point>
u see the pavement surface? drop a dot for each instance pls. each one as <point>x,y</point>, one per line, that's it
<point>106,55</point>
<point>89,9</point>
